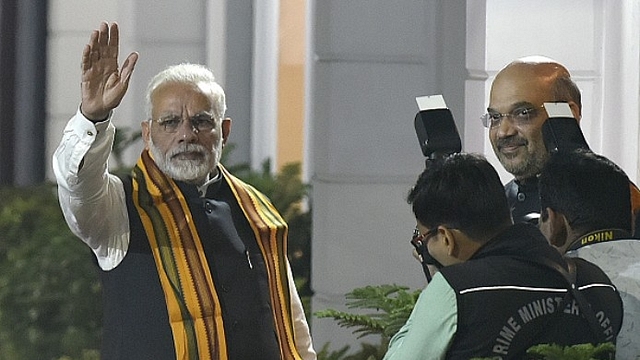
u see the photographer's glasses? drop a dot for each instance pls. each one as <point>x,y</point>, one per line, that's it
<point>199,122</point>
<point>519,116</point>
<point>419,240</point>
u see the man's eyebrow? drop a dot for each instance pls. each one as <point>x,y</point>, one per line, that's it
<point>204,112</point>
<point>518,105</point>
<point>166,115</point>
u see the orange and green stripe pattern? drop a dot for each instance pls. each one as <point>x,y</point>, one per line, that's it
<point>195,314</point>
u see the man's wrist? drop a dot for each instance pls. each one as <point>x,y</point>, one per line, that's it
<point>95,118</point>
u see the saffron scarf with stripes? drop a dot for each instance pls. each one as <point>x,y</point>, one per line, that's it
<point>192,302</point>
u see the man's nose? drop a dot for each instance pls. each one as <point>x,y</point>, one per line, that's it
<point>187,131</point>
<point>506,127</point>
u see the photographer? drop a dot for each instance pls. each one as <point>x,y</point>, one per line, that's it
<point>586,213</point>
<point>502,287</point>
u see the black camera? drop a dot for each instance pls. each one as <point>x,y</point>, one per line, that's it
<point>436,129</point>
<point>561,131</point>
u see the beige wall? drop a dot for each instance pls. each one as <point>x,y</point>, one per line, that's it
<point>291,69</point>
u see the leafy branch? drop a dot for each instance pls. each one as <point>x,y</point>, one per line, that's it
<point>391,305</point>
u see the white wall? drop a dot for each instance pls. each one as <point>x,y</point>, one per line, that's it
<point>369,61</point>
<point>596,40</point>
<point>67,36</point>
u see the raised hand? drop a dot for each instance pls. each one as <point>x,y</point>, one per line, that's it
<point>103,85</point>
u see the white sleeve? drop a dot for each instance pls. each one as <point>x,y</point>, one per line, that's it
<point>301,331</point>
<point>91,199</point>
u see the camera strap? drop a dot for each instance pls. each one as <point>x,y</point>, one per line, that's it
<point>600,236</point>
<point>572,290</point>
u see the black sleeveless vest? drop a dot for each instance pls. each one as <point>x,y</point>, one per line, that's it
<point>136,322</point>
<point>506,303</point>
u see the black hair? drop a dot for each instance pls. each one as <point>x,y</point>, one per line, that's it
<point>590,190</point>
<point>464,192</point>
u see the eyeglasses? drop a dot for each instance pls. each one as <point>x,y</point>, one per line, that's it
<point>199,122</point>
<point>519,116</point>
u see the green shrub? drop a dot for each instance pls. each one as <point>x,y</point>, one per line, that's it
<point>50,303</point>
<point>604,351</point>
<point>576,352</point>
<point>386,309</point>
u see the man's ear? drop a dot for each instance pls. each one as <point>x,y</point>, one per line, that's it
<point>459,245</point>
<point>558,232</point>
<point>145,126</point>
<point>226,130</point>
<point>575,110</point>
<point>450,241</point>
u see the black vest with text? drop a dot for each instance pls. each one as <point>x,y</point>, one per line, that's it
<point>508,302</point>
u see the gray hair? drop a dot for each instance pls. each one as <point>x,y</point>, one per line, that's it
<point>187,73</point>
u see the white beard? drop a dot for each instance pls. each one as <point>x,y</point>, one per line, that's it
<point>186,170</point>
